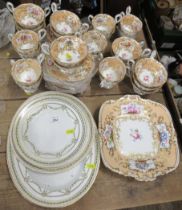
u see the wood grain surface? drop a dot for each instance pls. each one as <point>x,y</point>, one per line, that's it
<point>110,191</point>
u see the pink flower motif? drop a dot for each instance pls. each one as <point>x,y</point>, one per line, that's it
<point>146,78</point>
<point>135,134</point>
<point>33,11</point>
<point>109,76</point>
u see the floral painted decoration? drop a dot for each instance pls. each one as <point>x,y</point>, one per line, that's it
<point>107,136</point>
<point>24,38</point>
<point>164,135</point>
<point>135,134</point>
<point>142,165</point>
<point>131,109</point>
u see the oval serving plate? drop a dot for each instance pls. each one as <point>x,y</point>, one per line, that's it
<point>52,131</point>
<point>54,190</point>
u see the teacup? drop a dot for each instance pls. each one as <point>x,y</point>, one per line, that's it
<point>129,49</point>
<point>148,75</point>
<point>112,70</point>
<point>129,24</point>
<point>66,51</point>
<point>96,41</point>
<point>64,22</point>
<point>27,73</point>
<point>28,16</point>
<point>103,23</point>
<point>27,43</point>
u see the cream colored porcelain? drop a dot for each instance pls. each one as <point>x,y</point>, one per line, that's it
<point>129,49</point>
<point>27,73</point>
<point>64,22</point>
<point>103,23</point>
<point>150,73</point>
<point>28,16</point>
<point>112,71</point>
<point>66,51</point>
<point>138,119</point>
<point>129,24</point>
<point>74,74</point>
<point>96,41</point>
<point>26,42</point>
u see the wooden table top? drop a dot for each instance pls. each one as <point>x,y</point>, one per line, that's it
<point>110,191</point>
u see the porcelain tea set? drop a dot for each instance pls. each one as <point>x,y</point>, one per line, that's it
<point>136,136</point>
<point>74,52</point>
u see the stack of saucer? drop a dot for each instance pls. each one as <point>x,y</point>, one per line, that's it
<point>68,66</point>
<point>29,16</point>
<point>52,151</point>
<point>148,76</point>
<point>138,138</point>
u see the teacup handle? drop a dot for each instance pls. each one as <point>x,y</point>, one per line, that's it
<point>142,44</point>
<point>128,10</point>
<point>153,54</point>
<point>90,17</point>
<point>10,36</point>
<point>10,6</point>
<point>45,48</point>
<point>47,11</point>
<point>12,62</point>
<point>84,27</point>
<point>117,18</point>
<point>129,67</point>
<point>40,58</point>
<point>146,52</point>
<point>42,33</point>
<point>54,7</point>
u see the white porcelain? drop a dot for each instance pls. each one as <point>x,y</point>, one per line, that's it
<point>53,190</point>
<point>49,116</point>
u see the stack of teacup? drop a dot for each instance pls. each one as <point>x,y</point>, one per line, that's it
<point>64,22</point>
<point>68,66</point>
<point>29,16</point>
<point>148,75</point>
<point>30,23</point>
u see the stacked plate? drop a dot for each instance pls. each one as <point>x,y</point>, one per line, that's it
<point>52,150</point>
<point>148,76</point>
<point>137,138</point>
<point>29,16</point>
<point>69,66</point>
